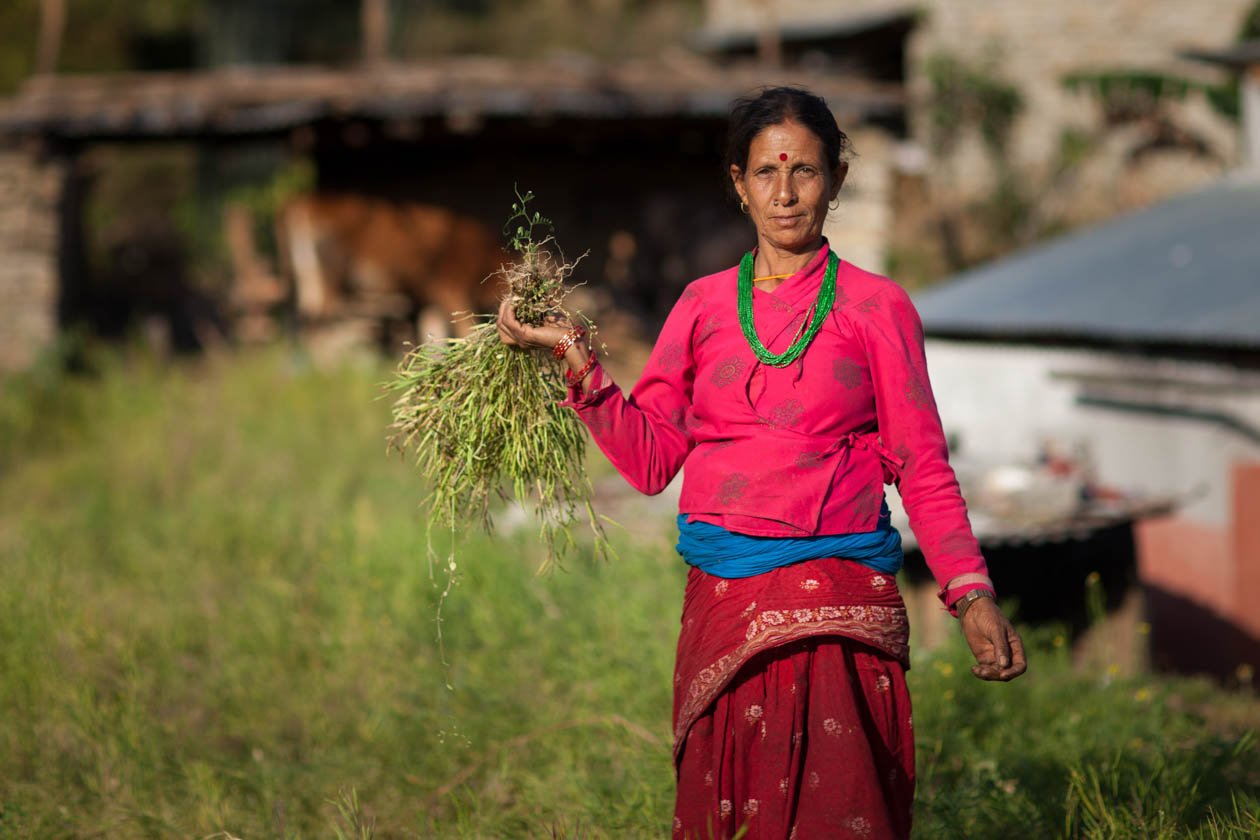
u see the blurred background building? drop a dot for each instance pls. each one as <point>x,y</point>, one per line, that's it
<point>977,129</point>
<point>201,175</point>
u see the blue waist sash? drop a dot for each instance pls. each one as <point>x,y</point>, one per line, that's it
<point>725,554</point>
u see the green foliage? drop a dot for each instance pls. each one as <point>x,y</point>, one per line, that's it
<point>265,199</point>
<point>477,415</point>
<point>519,227</point>
<point>1157,794</point>
<point>105,35</point>
<point>353,823</point>
<point>1006,212</point>
<point>1057,754</point>
<point>1075,146</point>
<point>19,33</point>
<point>215,615</point>
<point>1130,95</point>
<point>970,94</point>
<point>1225,100</point>
<point>263,195</point>
<point>100,35</point>
<point>44,407</point>
<point>1250,27</point>
<point>608,28</point>
<point>215,618</point>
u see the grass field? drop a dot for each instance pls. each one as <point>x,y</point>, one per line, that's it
<point>217,619</point>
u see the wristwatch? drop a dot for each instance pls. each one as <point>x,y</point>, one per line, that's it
<point>964,603</point>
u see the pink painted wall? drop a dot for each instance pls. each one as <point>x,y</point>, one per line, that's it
<point>1203,584</point>
<point>1245,523</point>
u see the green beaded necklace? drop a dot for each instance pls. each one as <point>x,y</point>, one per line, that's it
<point>826,297</point>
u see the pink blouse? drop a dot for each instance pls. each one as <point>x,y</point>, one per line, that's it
<point>799,450</point>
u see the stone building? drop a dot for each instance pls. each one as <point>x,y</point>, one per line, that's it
<point>1078,157</point>
<point>561,121</point>
<point>625,158</point>
<point>29,194</point>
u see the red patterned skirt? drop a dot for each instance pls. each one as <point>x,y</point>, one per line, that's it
<point>791,715</point>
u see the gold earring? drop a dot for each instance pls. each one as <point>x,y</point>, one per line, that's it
<point>743,207</point>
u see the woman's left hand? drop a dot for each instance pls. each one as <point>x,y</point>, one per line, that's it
<point>997,647</point>
<point>517,334</point>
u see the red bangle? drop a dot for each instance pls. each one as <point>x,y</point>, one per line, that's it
<point>568,340</point>
<point>575,378</point>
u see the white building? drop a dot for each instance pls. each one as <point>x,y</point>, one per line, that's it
<point>1136,345</point>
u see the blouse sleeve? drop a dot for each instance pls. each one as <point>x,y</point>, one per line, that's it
<point>910,426</point>
<point>645,435</point>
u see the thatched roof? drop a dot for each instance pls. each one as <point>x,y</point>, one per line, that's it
<point>242,101</point>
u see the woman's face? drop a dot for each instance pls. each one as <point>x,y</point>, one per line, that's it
<point>787,186</point>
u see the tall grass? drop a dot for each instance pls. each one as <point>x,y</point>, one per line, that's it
<point>1066,754</point>
<point>216,618</point>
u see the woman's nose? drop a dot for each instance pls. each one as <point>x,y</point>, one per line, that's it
<point>784,194</point>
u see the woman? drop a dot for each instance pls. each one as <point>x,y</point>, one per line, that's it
<point>792,388</point>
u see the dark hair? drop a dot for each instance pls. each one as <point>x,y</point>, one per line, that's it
<point>774,105</point>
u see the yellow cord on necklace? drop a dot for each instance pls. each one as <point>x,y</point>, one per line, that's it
<point>772,277</point>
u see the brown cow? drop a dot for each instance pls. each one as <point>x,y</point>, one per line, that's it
<point>355,254</point>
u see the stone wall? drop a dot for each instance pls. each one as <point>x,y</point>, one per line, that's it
<point>28,257</point>
<point>859,229</point>
<point>1032,45</point>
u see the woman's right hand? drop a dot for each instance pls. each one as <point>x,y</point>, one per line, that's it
<point>994,642</point>
<point>512,332</point>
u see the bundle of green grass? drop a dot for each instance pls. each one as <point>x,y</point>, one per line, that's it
<point>481,418</point>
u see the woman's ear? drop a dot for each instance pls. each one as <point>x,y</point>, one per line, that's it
<point>737,180</point>
<point>837,178</point>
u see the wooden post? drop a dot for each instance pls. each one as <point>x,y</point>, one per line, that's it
<point>1250,94</point>
<point>769,41</point>
<point>374,15</point>
<point>52,23</point>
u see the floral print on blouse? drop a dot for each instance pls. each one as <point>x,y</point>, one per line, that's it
<point>798,450</point>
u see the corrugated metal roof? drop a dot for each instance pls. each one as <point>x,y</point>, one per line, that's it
<point>1185,272</point>
<point>268,99</point>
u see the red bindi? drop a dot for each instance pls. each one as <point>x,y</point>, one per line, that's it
<point>782,155</point>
